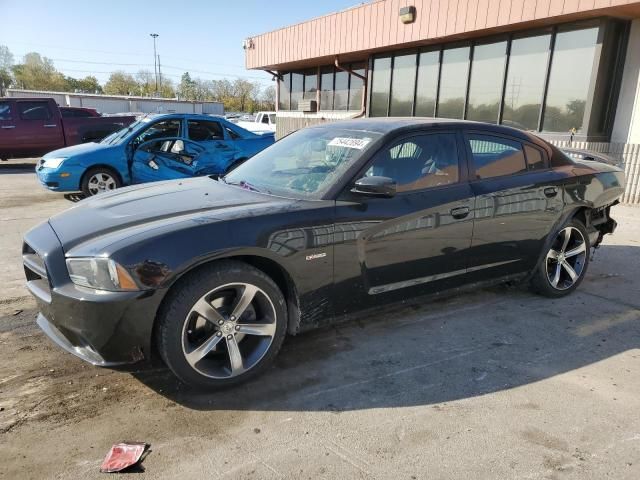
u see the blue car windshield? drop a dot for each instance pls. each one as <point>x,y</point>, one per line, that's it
<point>304,164</point>
<point>116,138</point>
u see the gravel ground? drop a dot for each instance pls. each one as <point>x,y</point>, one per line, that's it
<point>495,384</point>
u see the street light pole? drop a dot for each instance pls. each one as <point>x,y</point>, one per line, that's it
<point>155,58</point>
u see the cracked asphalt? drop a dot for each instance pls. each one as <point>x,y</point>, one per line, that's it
<point>498,383</point>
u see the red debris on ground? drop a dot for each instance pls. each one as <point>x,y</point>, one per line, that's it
<point>122,456</point>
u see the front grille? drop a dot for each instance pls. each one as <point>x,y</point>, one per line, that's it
<point>36,272</point>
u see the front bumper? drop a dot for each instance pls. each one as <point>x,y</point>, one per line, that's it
<point>52,179</point>
<point>103,328</point>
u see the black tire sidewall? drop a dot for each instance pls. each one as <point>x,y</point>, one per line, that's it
<point>190,290</point>
<point>84,186</point>
<point>540,281</point>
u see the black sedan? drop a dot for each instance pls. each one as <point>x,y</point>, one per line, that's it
<point>212,274</point>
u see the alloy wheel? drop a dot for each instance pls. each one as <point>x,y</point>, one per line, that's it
<point>229,330</point>
<point>101,182</point>
<point>566,258</point>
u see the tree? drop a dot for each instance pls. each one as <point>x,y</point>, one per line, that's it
<point>38,73</point>
<point>244,91</point>
<point>146,83</point>
<point>6,63</point>
<point>186,89</point>
<point>268,98</point>
<point>121,83</point>
<point>88,84</point>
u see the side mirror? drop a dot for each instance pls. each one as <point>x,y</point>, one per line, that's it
<point>375,186</point>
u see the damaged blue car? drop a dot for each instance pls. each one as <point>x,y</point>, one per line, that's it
<point>158,147</point>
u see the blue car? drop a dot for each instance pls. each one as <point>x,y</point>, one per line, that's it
<point>158,147</point>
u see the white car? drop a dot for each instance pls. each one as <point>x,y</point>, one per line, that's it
<point>264,122</point>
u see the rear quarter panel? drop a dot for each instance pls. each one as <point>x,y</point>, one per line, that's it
<point>81,130</point>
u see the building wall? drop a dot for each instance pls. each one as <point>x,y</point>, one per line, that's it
<point>626,128</point>
<point>376,26</point>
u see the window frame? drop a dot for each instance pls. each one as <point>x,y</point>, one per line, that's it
<point>181,131</point>
<point>43,102</point>
<point>392,142</point>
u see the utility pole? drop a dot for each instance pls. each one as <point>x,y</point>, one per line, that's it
<point>155,59</point>
<point>159,75</point>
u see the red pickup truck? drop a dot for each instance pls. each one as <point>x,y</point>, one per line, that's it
<point>31,127</point>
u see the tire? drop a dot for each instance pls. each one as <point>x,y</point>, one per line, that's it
<point>203,351</point>
<point>99,179</point>
<point>564,265</point>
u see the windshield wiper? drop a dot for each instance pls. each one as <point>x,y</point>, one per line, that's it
<point>245,185</point>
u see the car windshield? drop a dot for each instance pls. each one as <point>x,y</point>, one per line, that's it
<point>119,136</point>
<point>304,164</point>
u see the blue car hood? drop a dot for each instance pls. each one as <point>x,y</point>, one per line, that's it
<point>79,149</point>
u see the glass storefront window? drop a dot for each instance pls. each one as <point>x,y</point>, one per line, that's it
<point>525,82</point>
<point>297,83</point>
<point>571,69</point>
<point>356,88</point>
<point>402,85</point>
<point>487,76</point>
<point>283,95</point>
<point>326,88</point>
<point>427,87</point>
<point>341,90</point>
<point>380,83</point>
<point>310,84</point>
<point>453,82</point>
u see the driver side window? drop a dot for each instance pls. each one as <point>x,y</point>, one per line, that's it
<point>419,162</point>
<point>163,129</point>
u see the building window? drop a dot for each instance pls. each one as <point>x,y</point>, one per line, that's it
<point>310,84</point>
<point>525,81</point>
<point>427,83</point>
<point>326,88</point>
<point>297,89</point>
<point>402,85</point>
<point>453,82</point>
<point>487,78</point>
<point>341,90</point>
<point>572,64</point>
<point>283,95</point>
<point>380,83</point>
<point>356,87</point>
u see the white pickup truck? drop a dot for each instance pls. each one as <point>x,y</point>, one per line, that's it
<point>264,122</point>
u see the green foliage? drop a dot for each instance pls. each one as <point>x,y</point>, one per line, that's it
<point>121,83</point>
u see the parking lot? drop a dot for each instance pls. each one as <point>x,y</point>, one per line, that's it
<point>495,384</point>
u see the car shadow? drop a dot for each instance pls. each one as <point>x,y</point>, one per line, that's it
<point>74,197</point>
<point>445,350</point>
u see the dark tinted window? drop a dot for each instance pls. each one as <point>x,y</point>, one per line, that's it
<point>453,82</point>
<point>165,129</point>
<point>285,89</point>
<point>297,87</point>
<point>5,111</point>
<point>427,87</point>
<point>419,162</point>
<point>535,158</point>
<point>34,110</point>
<point>495,156</point>
<point>326,88</point>
<point>525,81</point>
<point>310,85</point>
<point>341,90</point>
<point>380,87</point>
<point>487,76</point>
<point>356,88</point>
<point>203,131</point>
<point>404,78</point>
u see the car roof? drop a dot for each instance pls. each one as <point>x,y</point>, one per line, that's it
<point>386,125</point>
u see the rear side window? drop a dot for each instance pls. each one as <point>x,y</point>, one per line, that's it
<point>5,111</point>
<point>202,131</point>
<point>496,156</point>
<point>419,162</point>
<point>34,110</point>
<point>535,158</point>
<point>232,135</point>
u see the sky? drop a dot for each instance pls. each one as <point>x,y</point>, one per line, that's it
<point>202,37</point>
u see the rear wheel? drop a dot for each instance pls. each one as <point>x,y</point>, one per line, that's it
<point>222,326</point>
<point>565,263</point>
<point>98,180</point>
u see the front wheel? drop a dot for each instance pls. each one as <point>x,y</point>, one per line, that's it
<point>565,263</point>
<point>98,180</point>
<point>223,325</point>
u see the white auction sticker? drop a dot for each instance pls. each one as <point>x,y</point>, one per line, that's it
<point>358,143</point>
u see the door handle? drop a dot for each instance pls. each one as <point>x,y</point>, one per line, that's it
<point>7,127</point>
<point>550,192</point>
<point>459,212</point>
<point>50,126</point>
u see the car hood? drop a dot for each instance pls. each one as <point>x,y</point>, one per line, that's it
<point>79,149</point>
<point>111,217</point>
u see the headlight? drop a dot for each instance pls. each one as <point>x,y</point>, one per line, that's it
<point>100,273</point>
<point>53,162</point>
